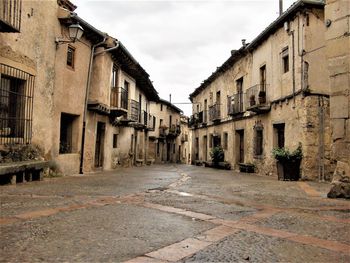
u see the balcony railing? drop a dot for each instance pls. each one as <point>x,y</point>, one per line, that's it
<point>184,138</point>
<point>256,98</point>
<point>234,104</point>
<point>119,98</point>
<point>196,118</point>
<point>214,112</point>
<point>151,124</point>
<point>145,118</point>
<point>10,15</point>
<point>174,129</point>
<point>163,131</point>
<point>134,111</point>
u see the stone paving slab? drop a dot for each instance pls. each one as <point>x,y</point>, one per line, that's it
<point>311,226</point>
<point>147,215</point>
<point>200,205</point>
<point>251,247</point>
<point>97,234</point>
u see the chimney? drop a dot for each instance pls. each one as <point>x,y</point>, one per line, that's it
<point>243,42</point>
<point>170,97</point>
<point>281,6</point>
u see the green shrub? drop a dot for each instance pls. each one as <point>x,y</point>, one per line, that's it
<point>217,154</point>
<point>18,153</point>
<point>283,154</point>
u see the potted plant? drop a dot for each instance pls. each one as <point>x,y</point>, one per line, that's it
<point>217,155</point>
<point>288,163</point>
<point>262,97</point>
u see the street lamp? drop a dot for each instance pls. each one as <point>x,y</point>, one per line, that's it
<point>75,33</point>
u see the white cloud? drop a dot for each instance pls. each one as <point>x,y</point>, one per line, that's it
<point>180,43</point>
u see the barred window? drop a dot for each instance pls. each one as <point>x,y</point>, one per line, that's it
<point>115,140</point>
<point>68,131</point>
<point>16,105</point>
<point>258,140</point>
<point>225,144</point>
<point>285,60</point>
<point>70,56</point>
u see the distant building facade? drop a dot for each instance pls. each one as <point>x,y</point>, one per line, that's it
<point>165,140</point>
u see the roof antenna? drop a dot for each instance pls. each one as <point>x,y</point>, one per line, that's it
<point>170,97</point>
<point>281,6</point>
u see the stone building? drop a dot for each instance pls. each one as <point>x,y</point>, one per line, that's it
<point>85,102</point>
<point>165,141</point>
<point>337,20</point>
<point>37,79</point>
<point>272,92</point>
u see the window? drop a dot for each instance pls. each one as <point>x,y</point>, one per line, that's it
<point>115,140</point>
<point>285,60</point>
<point>154,122</point>
<point>279,135</point>
<point>161,107</point>
<point>258,140</point>
<point>160,122</point>
<point>16,105</point>
<point>239,87</point>
<point>114,82</point>
<point>263,77</point>
<point>70,56</point>
<point>170,120</point>
<point>67,129</point>
<point>211,140</point>
<point>126,85</point>
<point>225,146</point>
<point>197,148</point>
<point>174,146</point>
<point>218,98</point>
<point>205,111</point>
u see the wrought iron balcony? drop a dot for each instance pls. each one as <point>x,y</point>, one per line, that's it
<point>134,111</point>
<point>235,104</point>
<point>196,119</point>
<point>163,131</point>
<point>214,112</point>
<point>151,122</point>
<point>184,138</point>
<point>10,15</point>
<point>174,130</point>
<point>256,98</point>
<point>119,101</point>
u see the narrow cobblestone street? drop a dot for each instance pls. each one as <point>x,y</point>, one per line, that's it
<point>172,213</point>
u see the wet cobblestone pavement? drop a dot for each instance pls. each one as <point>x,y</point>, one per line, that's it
<point>172,213</point>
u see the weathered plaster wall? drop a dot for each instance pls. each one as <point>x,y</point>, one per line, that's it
<point>101,78</point>
<point>69,97</point>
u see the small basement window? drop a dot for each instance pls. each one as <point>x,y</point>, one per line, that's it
<point>115,140</point>
<point>67,132</point>
<point>225,144</point>
<point>285,60</point>
<point>258,140</point>
<point>70,56</point>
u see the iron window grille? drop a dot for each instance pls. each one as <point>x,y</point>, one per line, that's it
<point>16,105</point>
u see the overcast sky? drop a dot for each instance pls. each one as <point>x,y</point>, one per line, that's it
<point>180,43</point>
